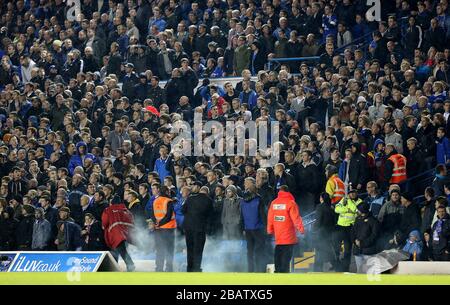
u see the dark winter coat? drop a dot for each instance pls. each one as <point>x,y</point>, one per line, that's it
<point>197,211</point>
<point>410,220</point>
<point>94,240</point>
<point>442,242</point>
<point>24,232</point>
<point>325,220</point>
<point>72,236</point>
<point>366,230</point>
<point>7,233</point>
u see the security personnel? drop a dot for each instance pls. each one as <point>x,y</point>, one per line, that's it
<point>283,220</point>
<point>335,186</point>
<point>347,211</point>
<point>164,224</point>
<point>395,168</point>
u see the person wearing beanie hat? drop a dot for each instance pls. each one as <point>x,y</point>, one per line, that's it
<point>389,217</point>
<point>292,113</point>
<point>411,218</point>
<point>68,236</point>
<point>28,209</point>
<point>335,187</point>
<point>64,213</point>
<point>364,233</point>
<point>231,214</point>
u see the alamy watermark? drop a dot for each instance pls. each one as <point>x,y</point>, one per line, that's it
<point>374,12</point>
<point>237,138</point>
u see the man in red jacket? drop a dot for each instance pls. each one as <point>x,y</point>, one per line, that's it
<point>283,219</point>
<point>117,222</point>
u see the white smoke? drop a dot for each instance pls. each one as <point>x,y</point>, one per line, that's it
<point>218,255</point>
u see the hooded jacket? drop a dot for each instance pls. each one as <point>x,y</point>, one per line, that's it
<point>415,247</point>
<point>442,150</point>
<point>42,232</point>
<point>284,219</point>
<point>252,211</point>
<point>117,222</point>
<point>231,215</point>
<point>77,159</point>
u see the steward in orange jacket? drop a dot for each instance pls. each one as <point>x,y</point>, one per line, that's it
<point>395,168</point>
<point>283,220</point>
<point>163,218</point>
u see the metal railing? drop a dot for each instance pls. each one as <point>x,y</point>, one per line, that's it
<point>289,59</point>
<point>356,43</point>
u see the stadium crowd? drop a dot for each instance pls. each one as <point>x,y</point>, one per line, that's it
<point>87,106</point>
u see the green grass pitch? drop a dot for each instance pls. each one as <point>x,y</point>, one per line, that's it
<point>153,278</point>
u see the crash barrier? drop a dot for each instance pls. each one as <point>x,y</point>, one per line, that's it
<point>33,261</point>
<point>422,268</point>
<point>216,81</point>
<point>275,63</point>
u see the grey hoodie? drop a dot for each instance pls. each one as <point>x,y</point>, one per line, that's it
<point>42,231</point>
<point>231,215</point>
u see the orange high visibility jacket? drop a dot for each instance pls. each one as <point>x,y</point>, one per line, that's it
<point>283,219</point>
<point>399,170</point>
<point>160,210</point>
<point>339,189</point>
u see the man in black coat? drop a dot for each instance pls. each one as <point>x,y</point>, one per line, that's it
<point>264,190</point>
<point>324,228</point>
<point>196,210</point>
<point>357,169</point>
<point>93,235</point>
<point>411,219</point>
<point>433,36</point>
<point>257,58</point>
<point>165,60</point>
<point>189,77</point>
<point>24,229</point>
<point>77,190</point>
<point>284,178</point>
<point>50,213</point>
<point>156,93</point>
<point>414,158</point>
<point>100,204</point>
<point>129,81</point>
<point>175,88</point>
<point>203,39</point>
<point>8,226</point>
<point>441,235</point>
<point>309,183</point>
<point>365,231</point>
